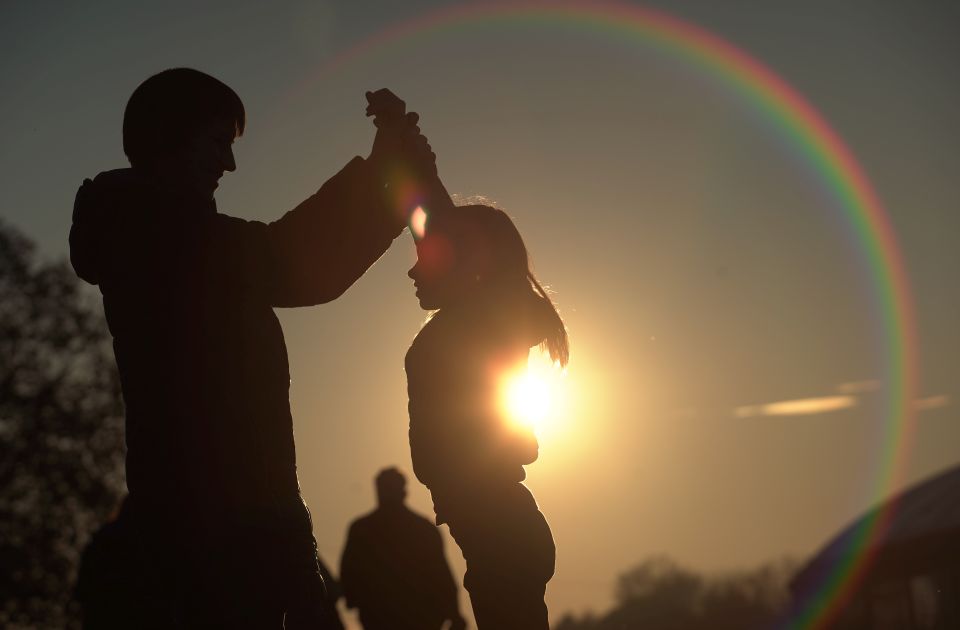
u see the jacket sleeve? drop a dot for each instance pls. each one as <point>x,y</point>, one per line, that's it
<point>321,247</point>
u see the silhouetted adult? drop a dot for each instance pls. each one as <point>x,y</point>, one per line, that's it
<point>393,568</point>
<point>189,296</point>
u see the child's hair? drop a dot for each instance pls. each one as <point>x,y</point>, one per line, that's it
<point>486,239</point>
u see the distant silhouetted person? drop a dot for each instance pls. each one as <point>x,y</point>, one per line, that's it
<point>472,268</point>
<point>189,295</point>
<point>393,568</point>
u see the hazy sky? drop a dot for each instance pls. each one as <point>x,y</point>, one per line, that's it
<point>703,270</point>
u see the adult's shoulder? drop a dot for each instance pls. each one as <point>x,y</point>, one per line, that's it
<point>119,175</point>
<point>363,520</point>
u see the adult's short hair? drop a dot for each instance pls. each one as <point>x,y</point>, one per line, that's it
<point>171,106</point>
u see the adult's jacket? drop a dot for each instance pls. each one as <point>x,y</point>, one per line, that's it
<point>189,296</point>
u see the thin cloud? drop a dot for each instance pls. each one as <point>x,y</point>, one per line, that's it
<point>932,402</point>
<point>748,411</point>
<point>858,387</point>
<point>799,407</point>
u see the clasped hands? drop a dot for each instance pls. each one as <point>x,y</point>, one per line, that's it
<point>399,150</point>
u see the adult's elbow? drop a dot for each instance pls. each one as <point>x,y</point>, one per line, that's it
<point>321,293</point>
<point>332,291</point>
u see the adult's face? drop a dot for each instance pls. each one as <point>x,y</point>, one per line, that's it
<point>200,164</point>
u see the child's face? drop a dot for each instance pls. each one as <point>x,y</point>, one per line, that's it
<point>437,277</point>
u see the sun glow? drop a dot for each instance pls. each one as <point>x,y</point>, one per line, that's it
<point>528,400</point>
<point>535,398</point>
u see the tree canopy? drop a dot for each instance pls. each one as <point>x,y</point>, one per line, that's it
<point>61,432</point>
<point>659,594</point>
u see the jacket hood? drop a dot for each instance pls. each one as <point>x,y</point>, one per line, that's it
<point>113,209</point>
<point>96,210</point>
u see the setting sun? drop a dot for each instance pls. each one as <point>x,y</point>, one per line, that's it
<point>528,400</point>
<point>534,398</point>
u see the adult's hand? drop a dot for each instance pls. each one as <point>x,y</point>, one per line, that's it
<point>394,127</point>
<point>385,107</point>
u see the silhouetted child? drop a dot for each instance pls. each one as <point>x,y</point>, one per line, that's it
<point>393,569</point>
<point>472,268</point>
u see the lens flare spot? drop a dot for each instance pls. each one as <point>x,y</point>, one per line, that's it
<point>418,222</point>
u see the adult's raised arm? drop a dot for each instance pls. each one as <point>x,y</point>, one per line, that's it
<point>321,247</point>
<point>316,251</point>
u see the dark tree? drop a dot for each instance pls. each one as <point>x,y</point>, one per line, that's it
<point>61,433</point>
<point>661,595</point>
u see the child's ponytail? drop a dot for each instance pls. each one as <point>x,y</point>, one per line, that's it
<point>555,340</point>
